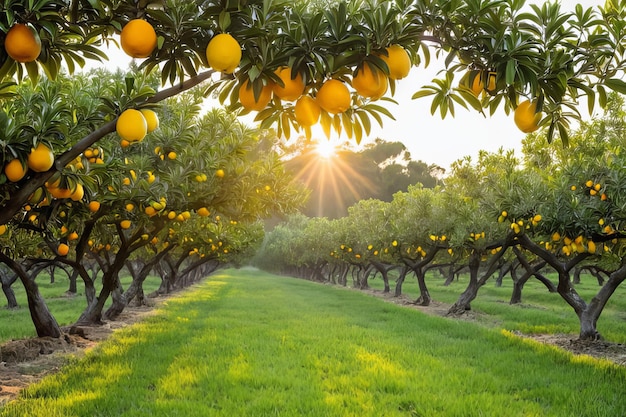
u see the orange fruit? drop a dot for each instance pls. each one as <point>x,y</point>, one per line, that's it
<point>3,229</point>
<point>22,43</point>
<point>203,212</point>
<point>398,61</point>
<point>526,117</point>
<point>94,206</point>
<point>125,224</point>
<point>78,193</point>
<point>293,87</point>
<point>172,155</point>
<point>40,158</point>
<point>72,236</point>
<point>131,125</point>
<point>334,97</point>
<point>15,170</point>
<point>369,82</point>
<point>477,85</point>
<point>220,173</point>
<point>152,119</point>
<point>307,111</point>
<point>247,99</point>
<point>223,53</point>
<point>63,249</point>
<point>138,38</point>
<point>124,143</point>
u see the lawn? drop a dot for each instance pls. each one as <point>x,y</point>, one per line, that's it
<point>247,343</point>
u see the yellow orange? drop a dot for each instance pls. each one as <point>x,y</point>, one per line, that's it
<point>63,249</point>
<point>398,61</point>
<point>22,43</point>
<point>334,97</point>
<point>138,38</point>
<point>94,206</point>
<point>220,173</point>
<point>369,82</point>
<point>152,119</point>
<point>526,116</point>
<point>307,111</point>
<point>78,193</point>
<point>203,212</point>
<point>223,53</point>
<point>40,158</point>
<point>125,224</point>
<point>247,99</point>
<point>293,87</point>
<point>131,125</point>
<point>15,170</point>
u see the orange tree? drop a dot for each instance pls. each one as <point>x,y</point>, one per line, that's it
<point>545,54</point>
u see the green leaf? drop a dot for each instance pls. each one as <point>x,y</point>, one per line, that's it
<point>616,84</point>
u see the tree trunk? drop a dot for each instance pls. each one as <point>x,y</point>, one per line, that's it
<point>463,303</point>
<point>7,289</point>
<point>403,271</point>
<point>424,298</point>
<point>118,303</point>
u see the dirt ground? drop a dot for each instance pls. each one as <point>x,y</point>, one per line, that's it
<point>23,362</point>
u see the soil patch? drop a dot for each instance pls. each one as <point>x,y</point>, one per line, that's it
<point>23,362</point>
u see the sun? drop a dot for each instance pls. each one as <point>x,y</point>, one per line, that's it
<point>326,149</point>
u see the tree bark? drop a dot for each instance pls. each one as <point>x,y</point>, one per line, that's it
<point>45,324</point>
<point>7,289</point>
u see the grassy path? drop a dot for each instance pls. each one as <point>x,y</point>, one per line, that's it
<point>246,343</point>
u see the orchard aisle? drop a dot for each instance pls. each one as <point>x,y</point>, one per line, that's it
<point>248,343</point>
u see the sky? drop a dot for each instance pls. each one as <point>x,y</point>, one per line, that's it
<point>427,137</point>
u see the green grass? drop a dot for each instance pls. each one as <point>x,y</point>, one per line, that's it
<point>17,324</point>
<point>247,343</point>
<point>540,311</point>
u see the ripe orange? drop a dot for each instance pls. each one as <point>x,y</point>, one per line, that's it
<point>22,43</point>
<point>63,249</point>
<point>203,212</point>
<point>15,170</point>
<point>138,38</point>
<point>220,173</point>
<point>307,111</point>
<point>293,87</point>
<point>223,53</point>
<point>78,193</point>
<point>334,97</point>
<point>172,155</point>
<point>125,224</point>
<point>3,229</point>
<point>72,236</point>
<point>526,116</point>
<point>247,99</point>
<point>477,86</point>
<point>40,158</point>
<point>398,61</point>
<point>370,82</point>
<point>131,125</point>
<point>152,119</point>
<point>94,206</point>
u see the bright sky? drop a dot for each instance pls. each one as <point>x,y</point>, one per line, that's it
<point>428,137</point>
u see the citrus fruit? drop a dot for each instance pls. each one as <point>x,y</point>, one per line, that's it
<point>398,61</point>
<point>15,170</point>
<point>125,224</point>
<point>172,155</point>
<point>3,229</point>
<point>138,38</point>
<point>78,193</point>
<point>307,111</point>
<point>477,85</point>
<point>247,99</point>
<point>152,119</point>
<point>220,173</point>
<point>526,117</point>
<point>203,212</point>
<point>223,53</point>
<point>40,158</point>
<point>94,206</point>
<point>131,125</point>
<point>72,236</point>
<point>293,87</point>
<point>22,43</point>
<point>334,97</point>
<point>63,249</point>
<point>369,82</point>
